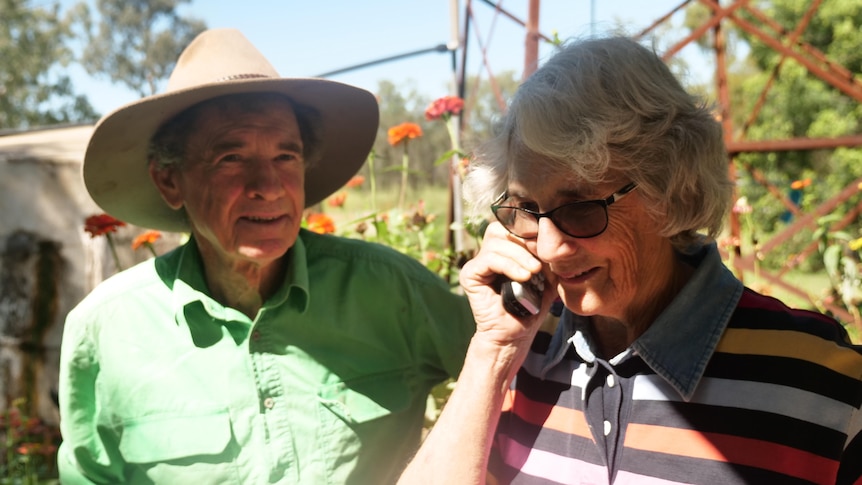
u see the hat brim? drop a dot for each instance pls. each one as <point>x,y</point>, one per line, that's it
<point>115,165</point>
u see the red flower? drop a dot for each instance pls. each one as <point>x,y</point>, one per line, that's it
<point>146,238</point>
<point>356,181</point>
<point>320,223</point>
<point>444,107</point>
<point>399,133</point>
<point>102,224</point>
<point>337,200</point>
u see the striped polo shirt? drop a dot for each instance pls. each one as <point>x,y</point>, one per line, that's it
<point>727,386</point>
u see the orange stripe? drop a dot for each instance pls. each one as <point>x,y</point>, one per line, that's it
<point>732,449</point>
<point>569,421</point>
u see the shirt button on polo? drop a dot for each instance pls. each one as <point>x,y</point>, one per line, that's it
<point>607,427</point>
<point>610,380</point>
<point>268,403</point>
<point>255,335</point>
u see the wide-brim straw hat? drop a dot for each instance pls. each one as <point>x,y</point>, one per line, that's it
<point>216,63</point>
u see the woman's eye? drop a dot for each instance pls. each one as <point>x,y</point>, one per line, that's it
<point>523,204</point>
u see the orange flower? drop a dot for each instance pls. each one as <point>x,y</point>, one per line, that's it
<point>356,181</point>
<point>444,107</point>
<point>100,224</point>
<point>399,133</point>
<point>800,184</point>
<point>146,238</point>
<point>320,223</point>
<point>337,200</point>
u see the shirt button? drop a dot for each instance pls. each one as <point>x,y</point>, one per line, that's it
<point>610,380</point>
<point>607,427</point>
<point>269,403</point>
<point>255,335</point>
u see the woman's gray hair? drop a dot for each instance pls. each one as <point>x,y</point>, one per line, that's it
<point>167,147</point>
<point>607,107</point>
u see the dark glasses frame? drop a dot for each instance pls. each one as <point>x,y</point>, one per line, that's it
<point>604,203</point>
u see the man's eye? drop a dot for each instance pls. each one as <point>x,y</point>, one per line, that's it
<point>287,157</point>
<point>230,158</point>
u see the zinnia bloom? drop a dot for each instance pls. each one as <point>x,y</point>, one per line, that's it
<point>320,223</point>
<point>337,200</point>
<point>102,224</point>
<point>404,131</point>
<point>800,184</point>
<point>147,238</point>
<point>356,181</point>
<point>444,107</point>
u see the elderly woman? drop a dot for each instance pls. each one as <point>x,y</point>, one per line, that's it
<point>611,182</point>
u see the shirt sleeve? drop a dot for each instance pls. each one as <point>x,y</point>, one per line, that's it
<point>84,456</point>
<point>446,326</point>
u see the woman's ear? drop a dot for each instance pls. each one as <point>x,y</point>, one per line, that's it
<point>166,180</point>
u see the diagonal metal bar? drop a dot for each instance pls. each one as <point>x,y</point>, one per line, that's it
<point>695,34</point>
<point>809,219</point>
<point>848,87</point>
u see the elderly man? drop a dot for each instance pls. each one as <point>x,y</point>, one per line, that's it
<point>258,352</point>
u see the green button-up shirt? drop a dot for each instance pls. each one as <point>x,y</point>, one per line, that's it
<point>159,383</point>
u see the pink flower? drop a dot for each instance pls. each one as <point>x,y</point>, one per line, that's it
<point>444,108</point>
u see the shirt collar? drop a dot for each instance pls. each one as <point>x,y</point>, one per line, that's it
<point>679,344</point>
<point>183,271</point>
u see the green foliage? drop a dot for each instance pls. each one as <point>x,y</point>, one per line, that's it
<point>842,258</point>
<point>137,42</point>
<point>34,89</point>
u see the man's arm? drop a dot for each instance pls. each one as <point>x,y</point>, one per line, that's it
<point>83,457</point>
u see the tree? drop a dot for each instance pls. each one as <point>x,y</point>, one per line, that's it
<point>137,42</point>
<point>34,89</point>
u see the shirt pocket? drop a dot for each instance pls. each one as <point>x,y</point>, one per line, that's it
<point>363,421</point>
<point>170,447</point>
<point>357,401</point>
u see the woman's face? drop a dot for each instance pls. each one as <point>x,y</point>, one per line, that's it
<point>618,274</point>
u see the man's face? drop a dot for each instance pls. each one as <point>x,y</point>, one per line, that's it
<point>241,183</point>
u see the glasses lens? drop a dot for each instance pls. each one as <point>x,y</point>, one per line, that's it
<point>518,222</point>
<point>583,219</point>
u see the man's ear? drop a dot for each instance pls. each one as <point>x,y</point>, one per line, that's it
<point>166,180</point>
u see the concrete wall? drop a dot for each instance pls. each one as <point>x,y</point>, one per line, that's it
<point>48,263</point>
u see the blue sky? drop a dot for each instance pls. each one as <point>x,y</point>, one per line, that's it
<point>310,37</point>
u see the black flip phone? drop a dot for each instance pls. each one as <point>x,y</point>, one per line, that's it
<point>523,299</point>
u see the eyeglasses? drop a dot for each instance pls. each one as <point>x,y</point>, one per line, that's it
<point>582,219</point>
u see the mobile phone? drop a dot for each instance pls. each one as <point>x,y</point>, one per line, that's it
<point>523,299</point>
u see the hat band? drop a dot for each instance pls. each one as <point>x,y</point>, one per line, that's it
<point>234,77</point>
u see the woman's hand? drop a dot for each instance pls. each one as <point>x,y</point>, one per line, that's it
<point>502,254</point>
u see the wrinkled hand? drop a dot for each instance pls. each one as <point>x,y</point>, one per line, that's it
<point>503,254</point>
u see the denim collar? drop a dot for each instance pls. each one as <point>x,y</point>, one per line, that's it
<point>679,344</point>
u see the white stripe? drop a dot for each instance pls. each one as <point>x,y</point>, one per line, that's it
<point>755,396</point>
<point>628,478</point>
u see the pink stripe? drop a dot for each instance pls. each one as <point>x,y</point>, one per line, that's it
<point>628,478</point>
<point>550,466</point>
